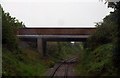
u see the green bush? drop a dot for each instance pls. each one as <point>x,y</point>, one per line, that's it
<point>98,62</point>
<point>28,63</point>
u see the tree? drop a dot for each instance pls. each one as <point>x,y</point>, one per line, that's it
<point>10,26</point>
<point>116,54</point>
<point>105,32</point>
<point>117,41</point>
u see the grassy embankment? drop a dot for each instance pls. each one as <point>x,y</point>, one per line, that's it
<point>97,62</point>
<point>26,63</point>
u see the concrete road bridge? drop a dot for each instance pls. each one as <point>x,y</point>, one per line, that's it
<point>42,35</point>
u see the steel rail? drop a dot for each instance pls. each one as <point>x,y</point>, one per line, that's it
<point>66,67</point>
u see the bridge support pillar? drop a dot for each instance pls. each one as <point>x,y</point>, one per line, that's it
<point>41,46</point>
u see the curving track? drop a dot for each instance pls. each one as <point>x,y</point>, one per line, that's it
<point>64,69</point>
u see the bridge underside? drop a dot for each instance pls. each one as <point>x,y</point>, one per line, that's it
<point>42,39</point>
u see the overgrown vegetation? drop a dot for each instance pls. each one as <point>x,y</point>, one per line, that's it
<point>28,63</point>
<point>102,55</point>
<point>62,50</point>
<point>98,62</point>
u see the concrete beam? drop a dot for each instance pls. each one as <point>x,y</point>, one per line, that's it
<point>53,36</point>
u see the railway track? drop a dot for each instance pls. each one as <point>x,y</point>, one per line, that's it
<point>63,69</point>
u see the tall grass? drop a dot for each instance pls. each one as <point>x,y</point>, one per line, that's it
<point>98,62</point>
<point>28,63</point>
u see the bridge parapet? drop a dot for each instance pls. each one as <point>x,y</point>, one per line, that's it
<point>56,31</point>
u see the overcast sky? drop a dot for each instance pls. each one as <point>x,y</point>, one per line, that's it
<point>56,13</point>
